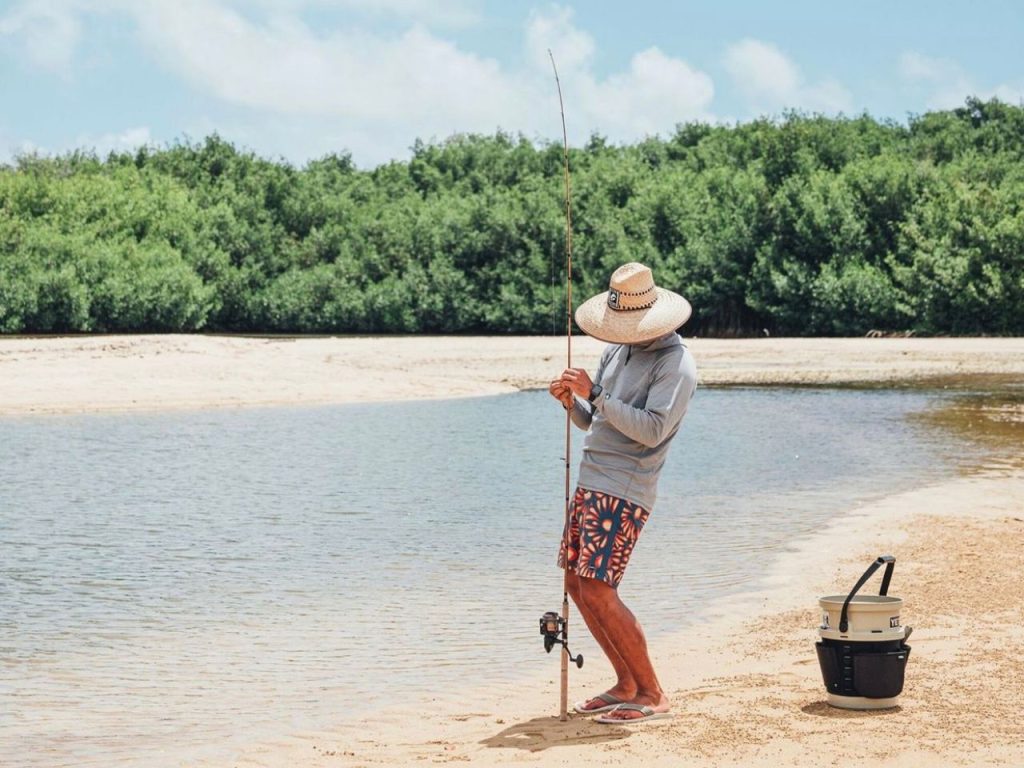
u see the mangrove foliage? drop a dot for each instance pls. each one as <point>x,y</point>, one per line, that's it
<point>802,225</point>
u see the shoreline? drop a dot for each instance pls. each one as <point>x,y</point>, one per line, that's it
<point>744,679</point>
<point>89,374</point>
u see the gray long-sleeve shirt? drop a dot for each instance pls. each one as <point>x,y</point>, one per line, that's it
<point>646,391</point>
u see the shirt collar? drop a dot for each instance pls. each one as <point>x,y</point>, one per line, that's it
<point>668,340</point>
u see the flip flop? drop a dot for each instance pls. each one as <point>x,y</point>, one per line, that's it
<point>646,713</point>
<point>611,702</point>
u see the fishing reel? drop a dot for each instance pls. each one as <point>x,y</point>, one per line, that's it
<point>552,627</point>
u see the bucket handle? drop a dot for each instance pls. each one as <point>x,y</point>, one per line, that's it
<point>890,563</point>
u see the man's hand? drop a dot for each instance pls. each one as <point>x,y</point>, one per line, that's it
<point>578,380</point>
<point>561,392</point>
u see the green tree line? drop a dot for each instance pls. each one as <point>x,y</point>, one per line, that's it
<point>803,225</point>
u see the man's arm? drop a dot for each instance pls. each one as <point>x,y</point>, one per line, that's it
<point>667,402</point>
<point>581,413</point>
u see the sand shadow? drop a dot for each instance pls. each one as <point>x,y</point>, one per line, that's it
<point>824,709</point>
<point>542,733</point>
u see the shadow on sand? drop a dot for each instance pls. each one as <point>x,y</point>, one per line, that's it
<point>824,709</point>
<point>542,733</point>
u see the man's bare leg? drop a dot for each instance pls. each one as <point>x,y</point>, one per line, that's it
<point>625,687</point>
<point>625,636</point>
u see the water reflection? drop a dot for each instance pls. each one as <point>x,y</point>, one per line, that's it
<point>986,413</point>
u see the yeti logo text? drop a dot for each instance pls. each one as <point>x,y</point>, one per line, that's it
<point>894,621</point>
<point>613,299</point>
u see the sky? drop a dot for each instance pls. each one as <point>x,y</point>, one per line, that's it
<point>299,79</point>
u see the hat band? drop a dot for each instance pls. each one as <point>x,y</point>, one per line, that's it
<point>621,301</point>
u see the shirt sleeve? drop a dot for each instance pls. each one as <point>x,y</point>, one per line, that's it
<point>582,413</point>
<point>667,401</point>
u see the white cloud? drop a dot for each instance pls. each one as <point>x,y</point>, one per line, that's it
<point>284,67</point>
<point>391,90</point>
<point>770,81</point>
<point>1011,94</point>
<point>444,13</point>
<point>8,148</point>
<point>103,144</point>
<point>948,84</point>
<point>11,148</point>
<point>375,88</point>
<point>379,92</point>
<point>553,31</point>
<point>915,66</point>
<point>434,13</point>
<point>46,31</point>
<point>652,96</point>
<point>761,70</point>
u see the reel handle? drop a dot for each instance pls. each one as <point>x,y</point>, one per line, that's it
<point>552,627</point>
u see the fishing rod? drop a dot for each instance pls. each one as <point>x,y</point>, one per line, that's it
<point>553,627</point>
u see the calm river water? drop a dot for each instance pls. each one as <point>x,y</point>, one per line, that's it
<point>175,585</point>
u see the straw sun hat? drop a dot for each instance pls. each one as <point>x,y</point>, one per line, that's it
<point>634,310</point>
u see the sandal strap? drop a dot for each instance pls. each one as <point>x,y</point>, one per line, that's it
<point>641,708</point>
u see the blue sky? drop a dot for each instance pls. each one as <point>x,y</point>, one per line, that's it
<point>301,78</point>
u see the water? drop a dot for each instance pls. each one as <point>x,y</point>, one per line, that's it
<point>174,586</point>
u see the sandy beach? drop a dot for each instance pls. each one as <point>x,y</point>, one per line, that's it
<point>744,683</point>
<point>119,373</point>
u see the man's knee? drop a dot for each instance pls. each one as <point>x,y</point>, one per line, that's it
<point>596,594</point>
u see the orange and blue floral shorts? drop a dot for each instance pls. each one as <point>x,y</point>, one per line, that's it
<point>600,533</point>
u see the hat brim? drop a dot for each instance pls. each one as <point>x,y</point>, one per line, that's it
<point>634,326</point>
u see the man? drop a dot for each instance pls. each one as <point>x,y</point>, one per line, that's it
<point>632,408</point>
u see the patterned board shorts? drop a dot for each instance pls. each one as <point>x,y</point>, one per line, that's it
<point>601,532</point>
